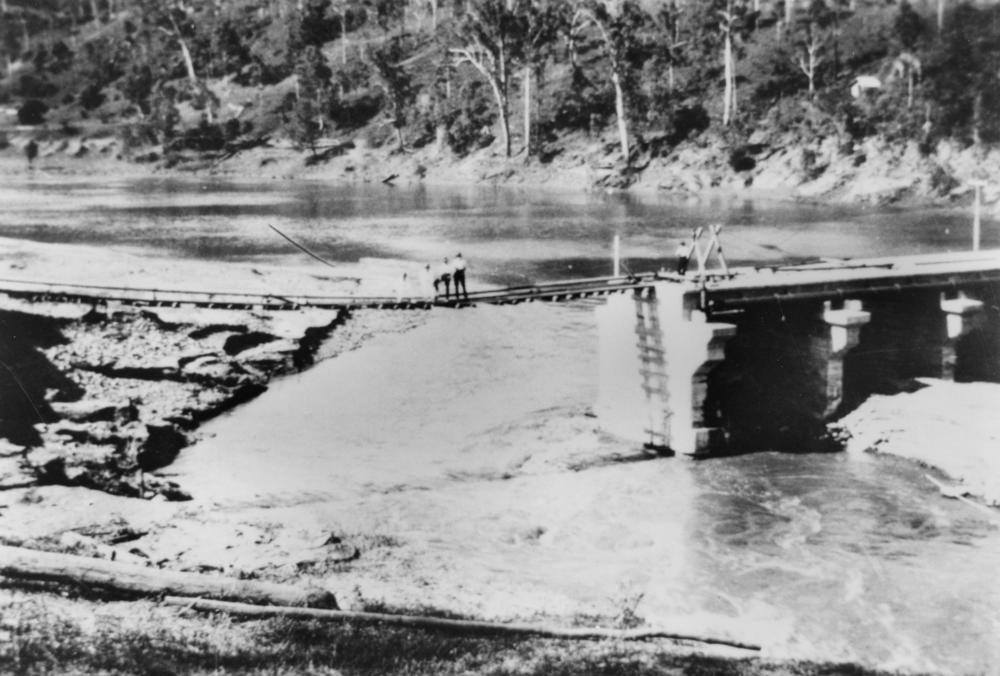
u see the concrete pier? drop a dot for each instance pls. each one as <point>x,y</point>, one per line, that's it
<point>764,359</point>
<point>655,382</point>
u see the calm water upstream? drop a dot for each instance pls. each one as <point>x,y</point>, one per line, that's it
<point>468,439</point>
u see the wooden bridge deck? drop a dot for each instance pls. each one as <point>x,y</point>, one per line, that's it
<point>740,287</point>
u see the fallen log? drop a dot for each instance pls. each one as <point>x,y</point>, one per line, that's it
<point>460,626</point>
<point>135,580</point>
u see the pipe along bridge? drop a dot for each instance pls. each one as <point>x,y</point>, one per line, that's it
<point>732,358</point>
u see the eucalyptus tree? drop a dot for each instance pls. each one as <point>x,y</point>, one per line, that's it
<point>175,22</point>
<point>728,25</point>
<point>811,38</point>
<point>668,41</point>
<point>388,65</point>
<point>313,90</point>
<point>620,28</point>
<point>541,21</point>
<point>489,34</point>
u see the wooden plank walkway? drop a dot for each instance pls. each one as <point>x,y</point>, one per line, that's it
<point>741,286</point>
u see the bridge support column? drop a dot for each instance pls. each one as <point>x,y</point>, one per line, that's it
<point>840,332</point>
<point>656,356</point>
<point>963,315</point>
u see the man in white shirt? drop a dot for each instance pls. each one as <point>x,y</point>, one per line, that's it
<point>683,252</point>
<point>459,275</point>
<point>444,276</point>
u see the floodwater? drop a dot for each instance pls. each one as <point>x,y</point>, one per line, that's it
<point>468,441</point>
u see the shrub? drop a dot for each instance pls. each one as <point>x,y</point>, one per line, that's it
<point>92,96</point>
<point>32,112</point>
<point>32,87</point>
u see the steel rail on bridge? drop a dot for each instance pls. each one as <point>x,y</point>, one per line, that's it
<point>736,288</point>
<point>55,292</point>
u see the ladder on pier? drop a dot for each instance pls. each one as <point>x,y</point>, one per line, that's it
<point>653,370</point>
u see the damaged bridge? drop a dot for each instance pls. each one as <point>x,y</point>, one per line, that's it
<point>741,358</point>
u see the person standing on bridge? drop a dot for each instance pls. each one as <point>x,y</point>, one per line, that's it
<point>682,253</point>
<point>459,274</point>
<point>444,276</point>
<point>426,281</point>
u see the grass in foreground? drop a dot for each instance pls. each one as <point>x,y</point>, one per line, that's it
<point>46,633</point>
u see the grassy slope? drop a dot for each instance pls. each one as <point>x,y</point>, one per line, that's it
<point>49,633</point>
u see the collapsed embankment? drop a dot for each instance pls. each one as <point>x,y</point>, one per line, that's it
<point>102,398</point>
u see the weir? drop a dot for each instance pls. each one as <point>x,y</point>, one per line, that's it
<point>763,358</point>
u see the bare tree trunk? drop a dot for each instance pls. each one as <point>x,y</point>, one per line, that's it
<point>440,138</point>
<point>526,80</point>
<point>442,624</point>
<point>789,12</point>
<point>620,114</point>
<point>977,119</point>
<point>89,573</point>
<point>27,36</point>
<point>343,35</point>
<point>95,11</point>
<point>188,63</point>
<point>502,114</point>
<point>940,16</point>
<point>728,103</point>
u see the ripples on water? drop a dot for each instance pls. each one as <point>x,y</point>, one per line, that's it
<point>468,439</point>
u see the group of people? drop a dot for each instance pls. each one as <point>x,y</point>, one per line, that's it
<point>447,273</point>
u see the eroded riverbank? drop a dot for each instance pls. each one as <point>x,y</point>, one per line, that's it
<point>100,397</point>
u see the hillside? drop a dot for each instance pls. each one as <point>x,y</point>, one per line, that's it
<point>856,101</point>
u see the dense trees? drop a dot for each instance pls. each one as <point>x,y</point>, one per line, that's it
<point>464,72</point>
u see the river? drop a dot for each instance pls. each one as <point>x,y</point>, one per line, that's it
<point>467,444</point>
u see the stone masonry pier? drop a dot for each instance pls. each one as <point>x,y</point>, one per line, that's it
<point>763,358</point>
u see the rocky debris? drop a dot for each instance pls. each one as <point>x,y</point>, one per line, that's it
<point>94,410</point>
<point>128,389</point>
<point>163,443</point>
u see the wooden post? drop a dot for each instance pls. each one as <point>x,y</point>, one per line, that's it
<point>616,249</point>
<point>976,208</point>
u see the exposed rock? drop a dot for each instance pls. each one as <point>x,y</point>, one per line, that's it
<point>241,342</point>
<point>94,410</point>
<point>163,443</point>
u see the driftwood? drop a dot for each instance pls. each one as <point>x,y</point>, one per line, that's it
<point>81,571</point>
<point>460,626</point>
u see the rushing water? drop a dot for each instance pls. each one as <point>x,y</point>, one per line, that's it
<point>469,442</point>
